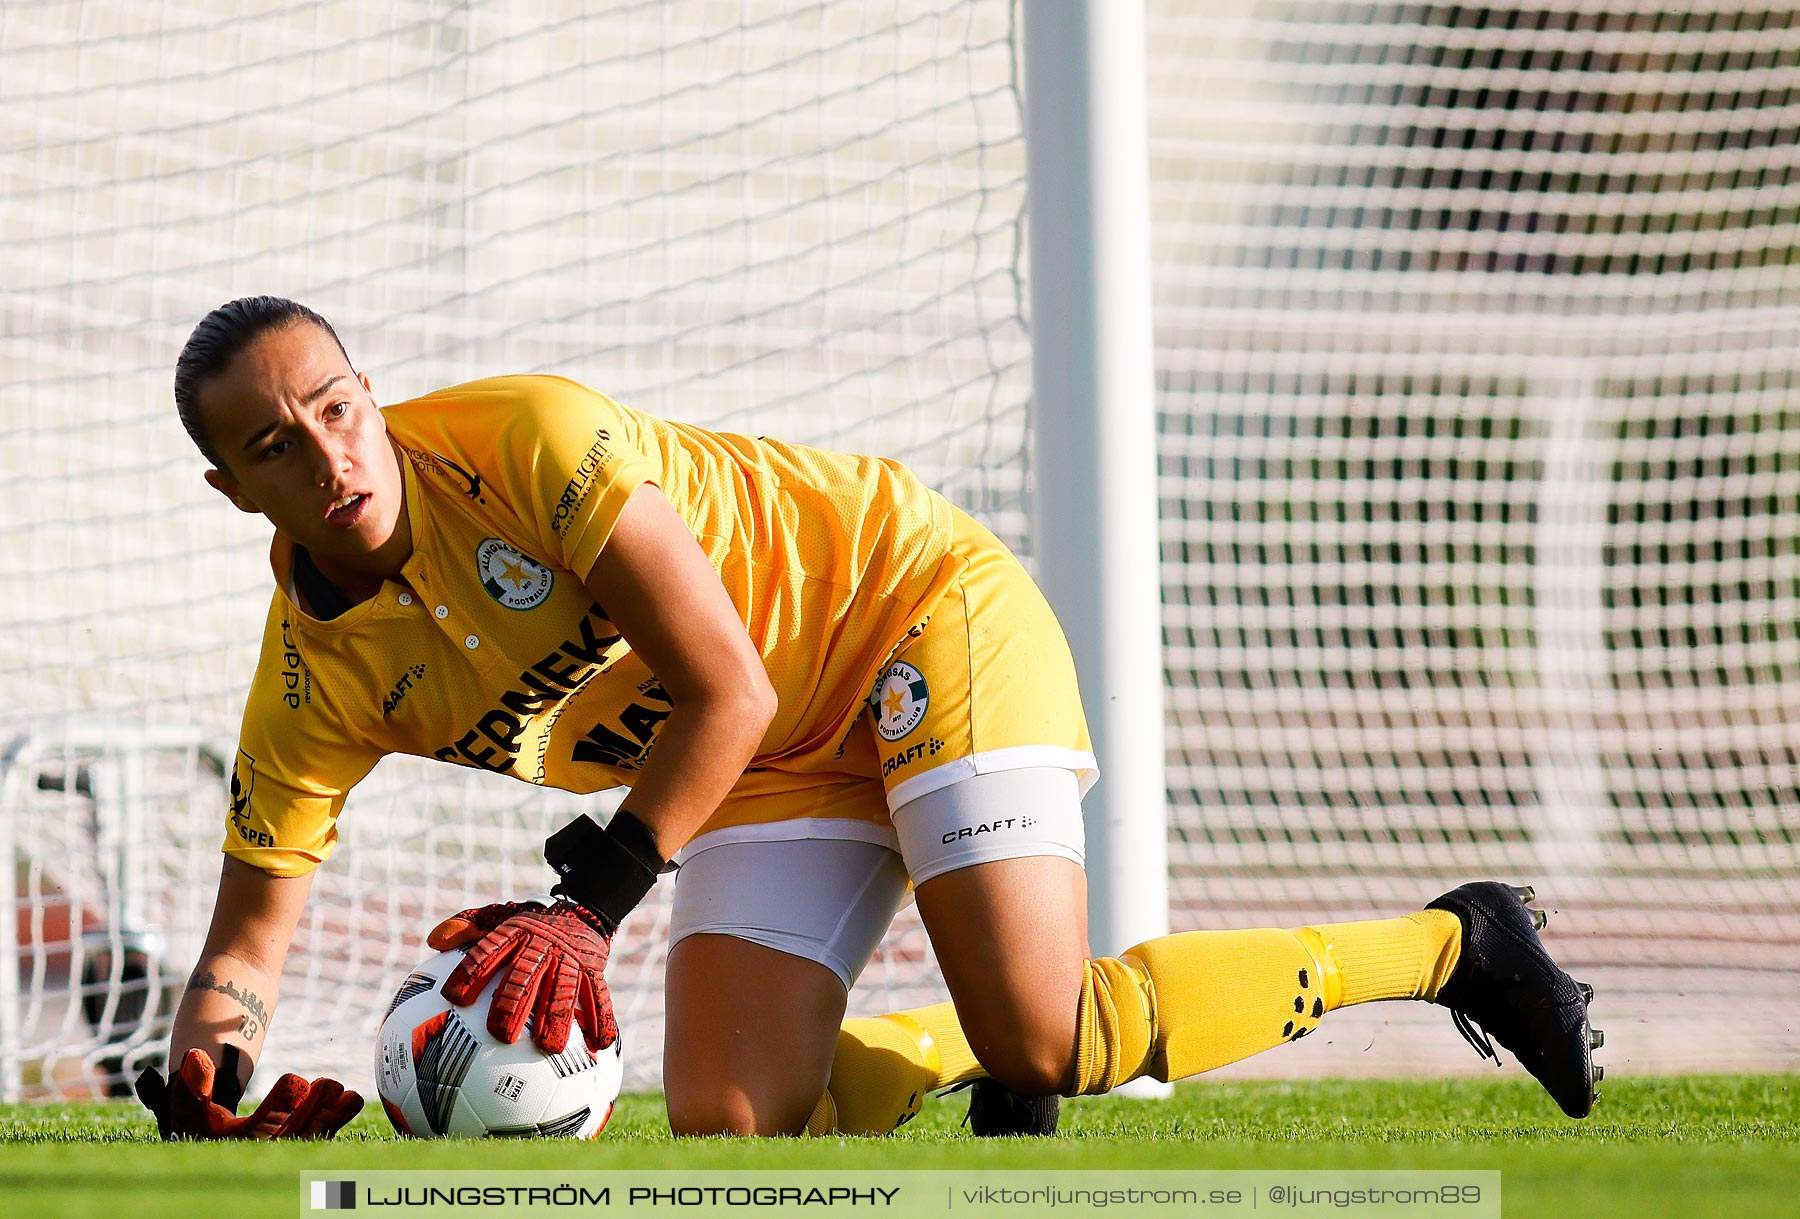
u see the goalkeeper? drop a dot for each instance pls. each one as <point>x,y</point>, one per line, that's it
<point>826,688</point>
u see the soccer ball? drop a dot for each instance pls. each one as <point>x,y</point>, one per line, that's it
<point>441,1073</point>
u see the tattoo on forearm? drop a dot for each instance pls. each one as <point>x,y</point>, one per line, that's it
<point>256,1011</point>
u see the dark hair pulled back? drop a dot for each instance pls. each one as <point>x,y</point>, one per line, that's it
<point>216,342</point>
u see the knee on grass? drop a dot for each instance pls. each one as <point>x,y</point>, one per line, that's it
<point>737,1114</point>
<point>1030,1064</point>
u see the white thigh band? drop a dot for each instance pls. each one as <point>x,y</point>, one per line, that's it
<point>1006,814</point>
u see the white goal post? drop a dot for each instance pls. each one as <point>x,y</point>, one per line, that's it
<point>1466,365</point>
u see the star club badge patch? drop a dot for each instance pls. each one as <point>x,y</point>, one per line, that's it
<point>509,577</point>
<point>899,700</point>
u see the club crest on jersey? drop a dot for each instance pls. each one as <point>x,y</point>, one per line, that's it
<point>509,577</point>
<point>243,782</point>
<point>899,700</point>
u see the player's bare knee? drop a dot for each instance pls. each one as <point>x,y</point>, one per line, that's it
<point>733,1115</point>
<point>1030,1066</point>
<point>694,1121</point>
<point>1026,1044</point>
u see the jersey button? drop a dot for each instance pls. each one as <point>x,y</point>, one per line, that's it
<point>405,598</point>
<point>470,641</point>
<point>442,611</point>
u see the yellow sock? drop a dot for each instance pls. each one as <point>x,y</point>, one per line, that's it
<point>1391,958</point>
<point>1182,1004</point>
<point>1170,1008</point>
<point>885,1066</point>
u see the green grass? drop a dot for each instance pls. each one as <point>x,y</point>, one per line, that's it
<point>1688,1146</point>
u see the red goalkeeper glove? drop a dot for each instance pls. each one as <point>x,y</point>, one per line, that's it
<point>551,958</point>
<point>197,1103</point>
<point>554,952</point>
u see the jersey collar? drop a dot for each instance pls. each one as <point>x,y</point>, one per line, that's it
<point>281,562</point>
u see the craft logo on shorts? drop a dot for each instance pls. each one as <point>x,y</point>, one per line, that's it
<point>509,577</point>
<point>899,700</point>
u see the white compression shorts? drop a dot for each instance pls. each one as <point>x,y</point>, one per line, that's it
<point>1006,814</point>
<point>830,900</point>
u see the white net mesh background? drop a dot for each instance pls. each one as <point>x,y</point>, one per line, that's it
<point>1478,461</point>
<point>798,219</point>
<point>1479,467</point>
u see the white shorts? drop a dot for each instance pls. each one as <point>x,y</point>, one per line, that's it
<point>830,900</point>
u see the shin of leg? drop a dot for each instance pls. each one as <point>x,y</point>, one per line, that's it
<point>741,1058</point>
<point>1221,996</point>
<point>1011,937</point>
<point>1183,1004</point>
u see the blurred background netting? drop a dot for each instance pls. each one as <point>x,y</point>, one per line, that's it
<point>1478,457</point>
<point>798,219</point>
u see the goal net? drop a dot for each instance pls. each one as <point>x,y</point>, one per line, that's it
<point>798,219</point>
<point>1477,461</point>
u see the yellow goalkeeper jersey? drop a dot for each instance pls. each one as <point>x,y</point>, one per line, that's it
<point>490,652</point>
